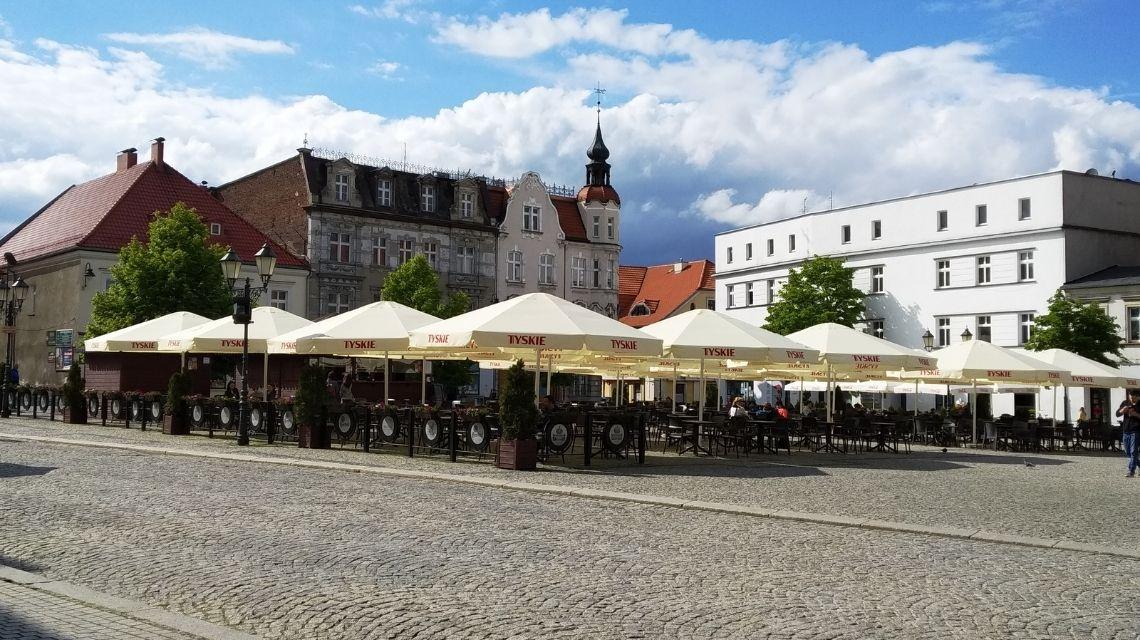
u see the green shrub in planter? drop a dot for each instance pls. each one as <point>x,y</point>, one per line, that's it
<point>176,420</point>
<point>518,419</point>
<point>308,408</point>
<point>73,395</point>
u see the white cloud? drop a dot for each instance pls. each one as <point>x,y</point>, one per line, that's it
<point>406,10</point>
<point>5,28</point>
<point>384,68</point>
<point>211,49</point>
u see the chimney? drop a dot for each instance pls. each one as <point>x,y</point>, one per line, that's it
<point>678,266</point>
<point>156,152</point>
<point>126,159</point>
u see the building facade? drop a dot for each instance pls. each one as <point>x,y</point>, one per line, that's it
<point>984,258</point>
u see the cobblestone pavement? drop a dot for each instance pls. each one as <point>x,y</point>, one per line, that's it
<point>29,614</point>
<point>1080,497</point>
<point>287,552</point>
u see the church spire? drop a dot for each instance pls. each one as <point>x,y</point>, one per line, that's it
<point>598,171</point>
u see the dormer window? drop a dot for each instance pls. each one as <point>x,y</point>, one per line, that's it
<point>640,309</point>
<point>532,219</point>
<point>384,192</point>
<point>215,229</point>
<point>466,205</point>
<point>427,198</point>
<point>341,187</point>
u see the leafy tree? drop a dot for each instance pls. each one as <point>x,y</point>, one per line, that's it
<point>415,284</point>
<point>820,290</point>
<point>175,270</point>
<point>517,414</point>
<point>1084,329</point>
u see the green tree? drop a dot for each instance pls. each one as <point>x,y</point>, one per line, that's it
<point>820,290</point>
<point>517,414</point>
<point>175,270</point>
<point>415,284</point>
<point>1084,329</point>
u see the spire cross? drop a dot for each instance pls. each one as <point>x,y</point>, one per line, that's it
<point>598,91</point>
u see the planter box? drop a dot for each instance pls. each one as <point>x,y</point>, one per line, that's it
<point>314,437</point>
<point>521,455</point>
<point>75,417</point>
<point>175,425</point>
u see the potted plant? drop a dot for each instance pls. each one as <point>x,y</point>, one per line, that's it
<point>175,421</point>
<point>76,410</point>
<point>309,410</point>
<point>518,448</point>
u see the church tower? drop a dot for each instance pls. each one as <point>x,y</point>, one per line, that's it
<point>598,200</point>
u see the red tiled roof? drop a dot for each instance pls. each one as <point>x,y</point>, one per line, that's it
<point>107,212</point>
<point>661,289</point>
<point>601,193</point>
<point>569,218</point>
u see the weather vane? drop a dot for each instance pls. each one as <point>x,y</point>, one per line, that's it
<point>598,90</point>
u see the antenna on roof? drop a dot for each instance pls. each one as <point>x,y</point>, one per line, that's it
<point>305,141</point>
<point>803,206</point>
<point>598,91</point>
<point>830,200</point>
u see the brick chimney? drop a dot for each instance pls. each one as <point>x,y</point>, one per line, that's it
<point>126,159</point>
<point>156,152</point>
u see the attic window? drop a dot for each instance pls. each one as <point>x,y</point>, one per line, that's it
<point>640,309</point>
<point>215,229</point>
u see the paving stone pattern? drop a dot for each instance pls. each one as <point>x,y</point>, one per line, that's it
<point>29,614</point>
<point>288,552</point>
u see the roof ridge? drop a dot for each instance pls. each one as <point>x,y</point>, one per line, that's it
<point>261,170</point>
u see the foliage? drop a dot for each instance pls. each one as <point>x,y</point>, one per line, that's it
<point>175,270</point>
<point>176,392</point>
<point>415,284</point>
<point>452,374</point>
<point>820,290</point>
<point>517,413</point>
<point>311,396</point>
<point>1084,329</point>
<point>73,389</point>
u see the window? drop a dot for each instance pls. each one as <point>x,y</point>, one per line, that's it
<point>610,228</point>
<point>384,192</point>
<point>985,333</point>
<point>1026,327</point>
<point>406,250</point>
<point>597,225</point>
<point>514,266</point>
<point>546,268</point>
<point>877,328</point>
<point>983,270</point>
<point>1134,324</point>
<point>341,187</point>
<point>943,220</point>
<point>336,303</point>
<point>339,246</point>
<point>597,273</point>
<point>771,291</point>
<point>431,250</point>
<point>944,332</point>
<point>791,243</point>
<point>981,215</point>
<point>279,298</point>
<point>750,294</point>
<point>1024,212</point>
<point>731,296</point>
<point>1024,265</point>
<point>610,275</point>
<point>943,269</point>
<point>876,229</point>
<point>729,255</point>
<point>640,309</point>
<point>215,229</point>
<point>466,259</point>
<point>771,246</point>
<point>748,251</point>
<point>845,234</point>
<point>532,220</point>
<point>711,304</point>
<point>578,268</point>
<point>876,279</point>
<point>427,197</point>
<point>380,252</point>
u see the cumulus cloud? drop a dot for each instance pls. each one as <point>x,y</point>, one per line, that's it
<point>384,68</point>
<point>211,49</point>
<point>406,10</point>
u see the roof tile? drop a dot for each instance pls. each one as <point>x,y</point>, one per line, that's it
<point>661,288</point>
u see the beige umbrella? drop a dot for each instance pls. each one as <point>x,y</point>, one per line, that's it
<point>144,336</point>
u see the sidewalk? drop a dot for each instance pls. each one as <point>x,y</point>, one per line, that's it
<point>34,607</point>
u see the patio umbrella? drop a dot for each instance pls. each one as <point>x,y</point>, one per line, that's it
<point>1078,371</point>
<point>534,323</point>
<point>850,350</point>
<point>144,336</point>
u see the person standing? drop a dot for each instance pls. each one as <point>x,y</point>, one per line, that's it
<point>1129,413</point>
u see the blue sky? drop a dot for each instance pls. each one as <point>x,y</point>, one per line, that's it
<point>717,115</point>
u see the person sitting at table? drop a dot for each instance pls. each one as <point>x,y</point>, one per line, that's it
<point>546,404</point>
<point>737,408</point>
<point>859,409</point>
<point>781,410</point>
<point>764,412</point>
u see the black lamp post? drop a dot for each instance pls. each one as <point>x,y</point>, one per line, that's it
<point>12,296</point>
<point>928,340</point>
<point>244,297</point>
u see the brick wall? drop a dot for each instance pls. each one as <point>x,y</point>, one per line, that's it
<point>273,200</point>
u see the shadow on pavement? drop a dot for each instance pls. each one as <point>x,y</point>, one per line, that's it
<point>14,625</point>
<point>8,470</point>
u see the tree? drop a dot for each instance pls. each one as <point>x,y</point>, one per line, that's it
<point>517,414</point>
<point>175,270</point>
<point>819,291</point>
<point>1084,329</point>
<point>415,284</point>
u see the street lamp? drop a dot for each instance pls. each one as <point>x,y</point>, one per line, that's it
<point>12,298</point>
<point>244,296</point>
<point>928,340</point>
<point>966,335</point>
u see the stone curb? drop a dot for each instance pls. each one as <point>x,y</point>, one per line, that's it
<point>130,608</point>
<point>615,496</point>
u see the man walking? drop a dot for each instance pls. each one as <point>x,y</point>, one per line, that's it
<point>1129,413</point>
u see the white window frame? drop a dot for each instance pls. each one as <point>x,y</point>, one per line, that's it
<point>427,197</point>
<point>749,294</point>
<point>791,243</point>
<point>611,271</point>
<point>1025,266</point>
<point>770,294</point>
<point>384,192</point>
<point>1025,322</point>
<point>942,220</point>
<point>406,250</point>
<point>337,302</point>
<point>578,268</point>
<point>380,251</point>
<point>532,218</point>
<point>546,268</point>
<point>597,226</point>
<point>514,266</point>
<point>215,229</point>
<point>465,256</point>
<point>845,234</point>
<point>942,269</point>
<point>1132,318</point>
<point>610,228</point>
<point>279,298</point>
<point>431,252</point>
<point>748,251</point>
<point>466,204</point>
<point>731,296</point>
<point>1024,209</point>
<point>982,274</point>
<point>878,328</point>
<point>985,328</point>
<point>728,256</point>
<point>340,187</point>
<point>340,248</point>
<point>943,336</point>
<point>981,215</point>
<point>877,279</point>
<point>876,229</point>
<point>771,246</point>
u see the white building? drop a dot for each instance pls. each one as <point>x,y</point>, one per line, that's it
<point>984,258</point>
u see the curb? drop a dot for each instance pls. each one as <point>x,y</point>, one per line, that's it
<point>615,496</point>
<point>129,608</point>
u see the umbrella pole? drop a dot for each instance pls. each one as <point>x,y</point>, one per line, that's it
<point>183,354</point>
<point>701,393</point>
<point>801,395</point>
<point>830,399</point>
<point>916,398</point>
<point>265,376</point>
<point>673,389</point>
<point>974,410</point>
<point>1054,404</point>
<point>386,396</point>
<point>537,373</point>
<point>423,380</point>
